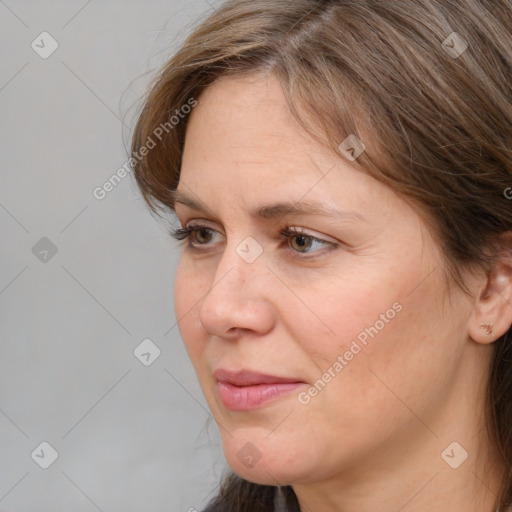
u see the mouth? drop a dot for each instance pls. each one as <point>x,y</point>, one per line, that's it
<point>245,390</point>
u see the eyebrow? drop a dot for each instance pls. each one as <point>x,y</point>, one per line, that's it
<point>271,211</point>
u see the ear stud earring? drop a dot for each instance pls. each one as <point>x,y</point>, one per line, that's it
<point>488,328</point>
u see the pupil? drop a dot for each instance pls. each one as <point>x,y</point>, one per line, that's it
<point>203,234</point>
<point>302,241</point>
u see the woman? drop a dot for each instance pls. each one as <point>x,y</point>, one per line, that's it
<point>341,172</point>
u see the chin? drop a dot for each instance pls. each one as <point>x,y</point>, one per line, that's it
<point>264,474</point>
<point>261,463</point>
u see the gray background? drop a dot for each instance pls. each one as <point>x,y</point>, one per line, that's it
<point>129,437</point>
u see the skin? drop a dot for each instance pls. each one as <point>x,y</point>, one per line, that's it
<point>372,439</point>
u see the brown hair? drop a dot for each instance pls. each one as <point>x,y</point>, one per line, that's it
<point>435,115</point>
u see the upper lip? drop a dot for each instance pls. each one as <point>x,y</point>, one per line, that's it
<point>247,378</point>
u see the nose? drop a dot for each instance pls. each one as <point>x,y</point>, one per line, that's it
<point>238,300</point>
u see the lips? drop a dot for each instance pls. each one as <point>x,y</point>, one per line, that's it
<point>249,378</point>
<point>245,390</point>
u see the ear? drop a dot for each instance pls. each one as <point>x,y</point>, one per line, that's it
<point>492,314</point>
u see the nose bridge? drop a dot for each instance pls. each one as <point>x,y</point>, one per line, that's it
<point>236,297</point>
<point>240,263</point>
<point>241,260</point>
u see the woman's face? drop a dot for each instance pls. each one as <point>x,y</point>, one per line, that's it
<point>354,310</point>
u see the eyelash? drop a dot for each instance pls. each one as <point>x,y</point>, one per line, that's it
<point>184,234</point>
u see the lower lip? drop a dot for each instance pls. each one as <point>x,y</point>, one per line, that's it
<point>245,398</point>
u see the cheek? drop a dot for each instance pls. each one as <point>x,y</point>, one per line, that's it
<point>183,291</point>
<point>187,296</point>
<point>356,311</point>
<point>392,354</point>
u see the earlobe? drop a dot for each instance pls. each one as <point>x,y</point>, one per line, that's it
<point>488,328</point>
<point>492,316</point>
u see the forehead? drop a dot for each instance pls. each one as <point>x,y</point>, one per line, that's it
<point>249,117</point>
<point>244,147</point>
<point>242,129</point>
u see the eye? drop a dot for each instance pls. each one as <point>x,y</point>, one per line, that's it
<point>202,235</point>
<point>196,235</point>
<point>301,242</point>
